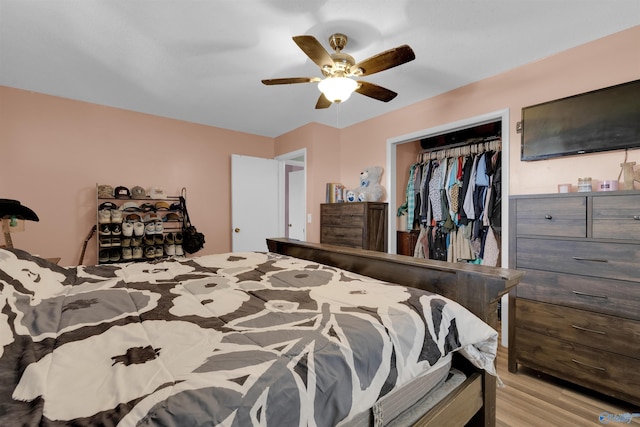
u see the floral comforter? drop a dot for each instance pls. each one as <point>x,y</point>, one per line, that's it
<point>233,339</point>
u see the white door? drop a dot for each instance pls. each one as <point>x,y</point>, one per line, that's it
<point>296,206</point>
<point>254,202</point>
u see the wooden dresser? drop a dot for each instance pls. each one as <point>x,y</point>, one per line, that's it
<point>357,225</point>
<point>577,311</point>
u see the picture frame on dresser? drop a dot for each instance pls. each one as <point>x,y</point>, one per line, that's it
<point>575,312</point>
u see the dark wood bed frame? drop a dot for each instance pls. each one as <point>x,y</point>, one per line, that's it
<point>478,288</point>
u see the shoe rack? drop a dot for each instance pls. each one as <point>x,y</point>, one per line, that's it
<point>138,228</point>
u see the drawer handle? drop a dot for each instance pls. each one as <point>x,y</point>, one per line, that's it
<point>580,328</point>
<point>579,258</point>
<point>636,217</point>
<point>584,294</point>
<point>588,365</point>
<point>547,216</point>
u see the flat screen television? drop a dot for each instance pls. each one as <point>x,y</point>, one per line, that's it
<point>600,120</point>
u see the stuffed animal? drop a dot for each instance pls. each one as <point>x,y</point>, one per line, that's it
<point>370,189</point>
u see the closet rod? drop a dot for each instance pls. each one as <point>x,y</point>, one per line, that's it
<point>461,144</point>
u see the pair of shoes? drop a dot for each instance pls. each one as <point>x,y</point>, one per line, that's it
<point>110,229</point>
<point>107,242</point>
<point>170,249</point>
<point>154,227</point>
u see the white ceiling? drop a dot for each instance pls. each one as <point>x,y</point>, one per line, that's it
<point>202,61</point>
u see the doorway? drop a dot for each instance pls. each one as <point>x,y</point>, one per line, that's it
<point>293,192</point>
<point>392,144</point>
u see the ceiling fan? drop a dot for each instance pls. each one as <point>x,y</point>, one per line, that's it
<point>339,70</point>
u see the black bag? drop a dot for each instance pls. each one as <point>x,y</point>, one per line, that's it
<point>192,239</point>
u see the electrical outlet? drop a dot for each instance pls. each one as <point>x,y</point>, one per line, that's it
<point>309,218</point>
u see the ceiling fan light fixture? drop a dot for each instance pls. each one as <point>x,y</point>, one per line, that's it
<point>337,89</point>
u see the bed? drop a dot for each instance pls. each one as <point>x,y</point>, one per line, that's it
<point>303,334</point>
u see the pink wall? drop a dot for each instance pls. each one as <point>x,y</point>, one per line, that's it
<point>605,62</point>
<point>55,150</point>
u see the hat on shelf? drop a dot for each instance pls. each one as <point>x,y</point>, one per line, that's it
<point>151,216</point>
<point>133,217</point>
<point>105,191</point>
<point>138,192</point>
<point>162,206</point>
<point>157,193</point>
<point>130,207</point>
<point>171,216</point>
<point>122,193</point>
<point>107,205</point>
<point>147,207</point>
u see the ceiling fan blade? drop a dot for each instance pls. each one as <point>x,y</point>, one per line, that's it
<point>314,50</point>
<point>323,102</point>
<point>376,92</point>
<point>290,80</point>
<point>385,60</point>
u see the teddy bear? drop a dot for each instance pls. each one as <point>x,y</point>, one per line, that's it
<point>370,189</point>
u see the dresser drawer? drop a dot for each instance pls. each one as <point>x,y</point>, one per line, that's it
<point>552,217</point>
<point>605,372</point>
<point>587,258</point>
<point>346,214</point>
<point>609,333</point>
<point>607,296</point>
<point>343,236</point>
<point>616,217</point>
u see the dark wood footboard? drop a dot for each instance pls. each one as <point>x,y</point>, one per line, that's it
<point>476,287</point>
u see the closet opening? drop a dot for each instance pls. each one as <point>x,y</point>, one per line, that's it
<point>452,207</point>
<point>474,134</point>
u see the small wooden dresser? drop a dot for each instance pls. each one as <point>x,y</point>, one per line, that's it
<point>577,311</point>
<point>357,225</point>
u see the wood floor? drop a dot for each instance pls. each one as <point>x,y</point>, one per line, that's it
<point>530,398</point>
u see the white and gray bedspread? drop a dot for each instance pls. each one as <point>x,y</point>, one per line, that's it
<point>234,339</point>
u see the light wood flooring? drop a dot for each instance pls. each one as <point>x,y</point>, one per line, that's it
<point>530,398</point>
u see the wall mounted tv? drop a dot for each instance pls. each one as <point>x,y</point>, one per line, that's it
<point>600,120</point>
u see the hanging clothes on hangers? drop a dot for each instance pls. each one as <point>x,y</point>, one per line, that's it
<point>458,202</point>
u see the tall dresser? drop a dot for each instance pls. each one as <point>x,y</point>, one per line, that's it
<point>577,310</point>
<point>357,225</point>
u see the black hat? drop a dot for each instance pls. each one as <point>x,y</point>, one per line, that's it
<point>122,193</point>
<point>10,207</point>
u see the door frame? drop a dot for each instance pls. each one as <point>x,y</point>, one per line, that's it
<point>291,158</point>
<point>391,182</point>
